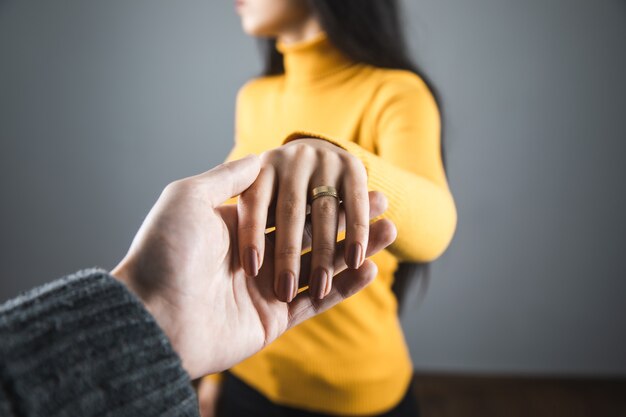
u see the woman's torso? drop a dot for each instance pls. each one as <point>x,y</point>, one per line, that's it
<point>352,359</point>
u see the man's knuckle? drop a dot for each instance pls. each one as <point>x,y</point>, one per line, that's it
<point>378,199</point>
<point>170,188</point>
<point>188,187</point>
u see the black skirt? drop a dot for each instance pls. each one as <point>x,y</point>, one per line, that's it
<point>238,399</point>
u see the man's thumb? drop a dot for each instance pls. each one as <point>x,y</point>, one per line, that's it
<point>231,178</point>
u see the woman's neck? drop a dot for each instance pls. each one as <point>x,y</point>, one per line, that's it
<point>301,32</point>
<point>311,60</point>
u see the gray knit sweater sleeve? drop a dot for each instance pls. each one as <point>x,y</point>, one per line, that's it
<point>85,346</point>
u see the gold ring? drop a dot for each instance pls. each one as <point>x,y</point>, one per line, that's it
<point>324,190</point>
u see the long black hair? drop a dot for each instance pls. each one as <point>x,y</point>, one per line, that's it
<point>369,32</point>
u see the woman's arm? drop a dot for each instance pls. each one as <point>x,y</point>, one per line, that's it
<point>407,167</point>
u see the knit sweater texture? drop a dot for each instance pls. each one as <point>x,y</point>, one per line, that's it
<point>85,346</point>
<point>353,358</point>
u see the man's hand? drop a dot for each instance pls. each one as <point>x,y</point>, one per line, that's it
<point>184,265</point>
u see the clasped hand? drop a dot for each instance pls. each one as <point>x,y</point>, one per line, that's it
<point>185,263</point>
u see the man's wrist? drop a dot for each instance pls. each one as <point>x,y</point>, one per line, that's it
<point>122,274</point>
<point>166,320</point>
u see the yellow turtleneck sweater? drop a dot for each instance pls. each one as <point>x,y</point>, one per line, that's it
<point>352,359</point>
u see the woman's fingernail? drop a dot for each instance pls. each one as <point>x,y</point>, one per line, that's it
<point>319,280</point>
<point>251,262</point>
<point>354,257</point>
<point>329,286</point>
<point>286,286</point>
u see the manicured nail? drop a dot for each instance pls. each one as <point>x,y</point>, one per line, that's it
<point>329,286</point>
<point>286,286</point>
<point>251,262</point>
<point>319,281</point>
<point>354,257</point>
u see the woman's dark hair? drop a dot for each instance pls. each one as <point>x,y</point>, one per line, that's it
<point>369,32</point>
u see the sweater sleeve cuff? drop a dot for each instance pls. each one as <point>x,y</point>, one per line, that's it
<point>346,145</point>
<point>432,224</point>
<point>85,345</point>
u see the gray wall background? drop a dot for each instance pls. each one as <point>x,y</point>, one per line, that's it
<point>103,103</point>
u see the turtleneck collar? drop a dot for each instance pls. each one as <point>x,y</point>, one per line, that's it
<point>312,59</point>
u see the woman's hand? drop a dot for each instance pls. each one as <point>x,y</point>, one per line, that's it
<point>280,194</point>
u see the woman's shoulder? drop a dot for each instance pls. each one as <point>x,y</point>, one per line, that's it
<point>258,86</point>
<point>393,82</point>
<point>396,88</point>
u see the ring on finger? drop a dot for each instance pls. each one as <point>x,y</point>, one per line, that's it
<point>323,191</point>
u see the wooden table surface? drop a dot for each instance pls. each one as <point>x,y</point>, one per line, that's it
<point>442,395</point>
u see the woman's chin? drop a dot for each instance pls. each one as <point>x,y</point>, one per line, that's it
<point>257,30</point>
